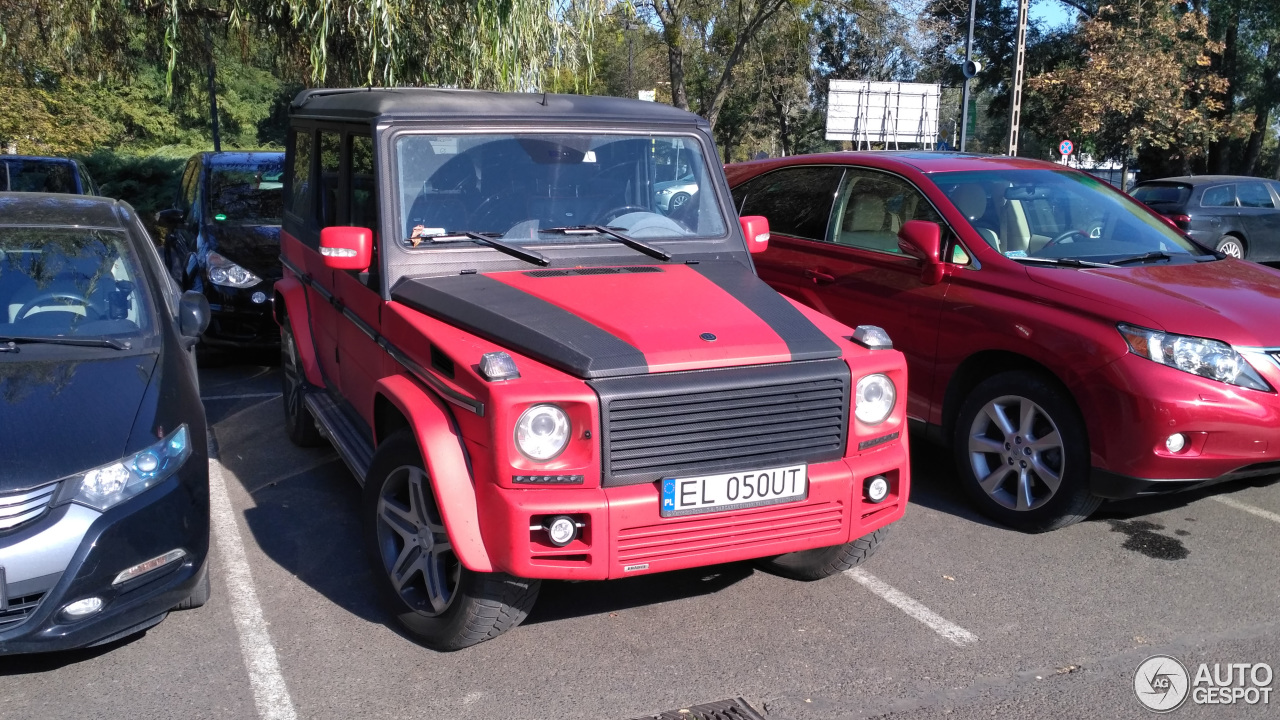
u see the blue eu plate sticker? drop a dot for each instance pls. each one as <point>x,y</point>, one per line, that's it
<point>669,494</point>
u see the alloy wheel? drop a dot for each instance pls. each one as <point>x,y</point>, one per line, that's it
<point>1016,453</point>
<point>1231,248</point>
<point>414,547</point>
<point>293,378</point>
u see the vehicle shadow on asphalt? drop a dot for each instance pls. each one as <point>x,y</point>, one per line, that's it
<point>934,483</point>
<point>564,600</point>
<point>44,662</point>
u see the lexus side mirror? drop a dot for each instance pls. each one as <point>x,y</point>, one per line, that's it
<point>170,218</point>
<point>193,316</point>
<point>922,240</point>
<point>755,228</point>
<point>347,248</point>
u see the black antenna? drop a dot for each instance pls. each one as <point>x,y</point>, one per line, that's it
<point>544,98</point>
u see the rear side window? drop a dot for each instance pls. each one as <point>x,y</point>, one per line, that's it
<point>1162,194</point>
<point>796,201</point>
<point>364,189</point>
<point>300,174</point>
<point>1254,195</point>
<point>330,161</point>
<point>1220,196</point>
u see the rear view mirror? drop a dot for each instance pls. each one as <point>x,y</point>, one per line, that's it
<point>755,228</point>
<point>922,240</point>
<point>347,248</point>
<point>193,316</point>
<point>170,218</point>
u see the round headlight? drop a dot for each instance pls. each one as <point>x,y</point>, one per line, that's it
<point>542,432</point>
<point>874,399</point>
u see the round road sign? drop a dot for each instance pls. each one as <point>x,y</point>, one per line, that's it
<point>1065,147</point>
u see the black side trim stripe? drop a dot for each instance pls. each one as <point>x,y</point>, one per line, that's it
<point>513,318</point>
<point>449,394</point>
<point>804,340</point>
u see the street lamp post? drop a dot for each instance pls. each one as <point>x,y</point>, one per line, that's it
<point>209,15</point>
<point>628,26</point>
<point>969,71</point>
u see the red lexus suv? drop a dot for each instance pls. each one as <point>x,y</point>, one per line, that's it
<point>1069,344</point>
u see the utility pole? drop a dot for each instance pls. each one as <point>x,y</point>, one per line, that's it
<point>971,68</point>
<point>1015,93</point>
<point>209,15</point>
<point>629,26</point>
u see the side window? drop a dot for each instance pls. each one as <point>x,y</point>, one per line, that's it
<point>1254,195</point>
<point>363,184</point>
<point>1220,196</point>
<point>187,193</point>
<point>797,201</point>
<point>330,155</point>
<point>300,173</point>
<point>195,197</point>
<point>872,207</point>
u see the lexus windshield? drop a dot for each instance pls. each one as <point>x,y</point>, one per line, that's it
<point>528,188</point>
<point>65,282</point>
<point>1057,215</point>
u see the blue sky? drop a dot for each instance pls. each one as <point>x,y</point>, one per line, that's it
<point>1052,13</point>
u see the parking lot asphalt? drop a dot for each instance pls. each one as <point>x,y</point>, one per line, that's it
<point>953,616</point>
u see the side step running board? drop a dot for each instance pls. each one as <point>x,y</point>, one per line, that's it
<point>334,424</point>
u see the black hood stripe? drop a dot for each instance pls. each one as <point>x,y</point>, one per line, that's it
<point>803,338</point>
<point>513,318</point>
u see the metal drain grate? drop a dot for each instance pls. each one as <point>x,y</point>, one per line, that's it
<point>736,709</point>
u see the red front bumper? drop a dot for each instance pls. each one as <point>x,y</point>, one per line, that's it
<point>625,535</point>
<point>1137,404</point>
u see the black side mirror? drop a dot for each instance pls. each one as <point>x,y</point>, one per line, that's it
<point>171,218</point>
<point>193,316</point>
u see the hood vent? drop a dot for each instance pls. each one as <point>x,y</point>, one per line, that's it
<point>564,272</point>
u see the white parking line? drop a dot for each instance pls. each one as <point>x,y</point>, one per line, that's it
<point>908,605</point>
<point>1232,502</point>
<point>270,693</point>
<point>244,396</point>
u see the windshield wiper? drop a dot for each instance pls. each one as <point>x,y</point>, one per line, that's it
<point>1144,257</point>
<point>14,340</point>
<point>634,244</point>
<point>1063,262</point>
<point>515,251</point>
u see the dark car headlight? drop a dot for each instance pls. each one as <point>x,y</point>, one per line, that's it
<point>222,271</point>
<point>109,485</point>
<point>1213,359</point>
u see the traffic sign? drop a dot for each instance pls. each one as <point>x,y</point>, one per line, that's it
<point>1065,147</point>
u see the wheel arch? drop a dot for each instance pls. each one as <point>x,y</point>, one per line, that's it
<point>290,300</point>
<point>986,364</point>
<point>399,404</point>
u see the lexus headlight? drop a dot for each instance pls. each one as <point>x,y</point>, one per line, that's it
<point>1199,356</point>
<point>224,272</point>
<point>109,485</point>
<point>542,432</point>
<point>874,399</point>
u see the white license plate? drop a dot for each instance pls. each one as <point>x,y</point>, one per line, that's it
<point>714,493</point>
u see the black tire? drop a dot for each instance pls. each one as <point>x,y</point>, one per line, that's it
<point>1233,246</point>
<point>299,425</point>
<point>200,594</point>
<point>824,562</point>
<point>468,607</point>
<point>1020,466</point>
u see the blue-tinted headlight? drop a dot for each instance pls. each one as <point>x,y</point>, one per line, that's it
<point>111,484</point>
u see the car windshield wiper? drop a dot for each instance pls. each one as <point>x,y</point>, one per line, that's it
<point>1063,262</point>
<point>13,341</point>
<point>1144,257</point>
<point>634,244</point>
<point>515,251</point>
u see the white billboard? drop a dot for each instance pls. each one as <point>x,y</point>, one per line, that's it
<point>863,111</point>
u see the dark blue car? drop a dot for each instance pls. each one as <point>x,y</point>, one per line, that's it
<point>104,499</point>
<point>25,173</point>
<point>223,240</point>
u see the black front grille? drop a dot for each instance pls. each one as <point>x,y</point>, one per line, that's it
<point>711,421</point>
<point>18,610</point>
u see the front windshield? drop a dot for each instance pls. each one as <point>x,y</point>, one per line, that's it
<point>521,187</point>
<point>247,194</point>
<point>1054,214</point>
<point>70,282</point>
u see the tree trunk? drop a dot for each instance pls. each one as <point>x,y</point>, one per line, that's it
<point>748,31</point>
<point>1254,149</point>
<point>672,16</point>
<point>784,129</point>
<point>1219,161</point>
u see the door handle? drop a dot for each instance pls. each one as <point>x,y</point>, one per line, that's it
<point>818,277</point>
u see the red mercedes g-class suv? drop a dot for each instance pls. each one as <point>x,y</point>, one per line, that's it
<point>540,370</point>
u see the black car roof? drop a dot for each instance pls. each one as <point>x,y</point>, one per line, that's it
<point>442,104</point>
<point>62,210</point>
